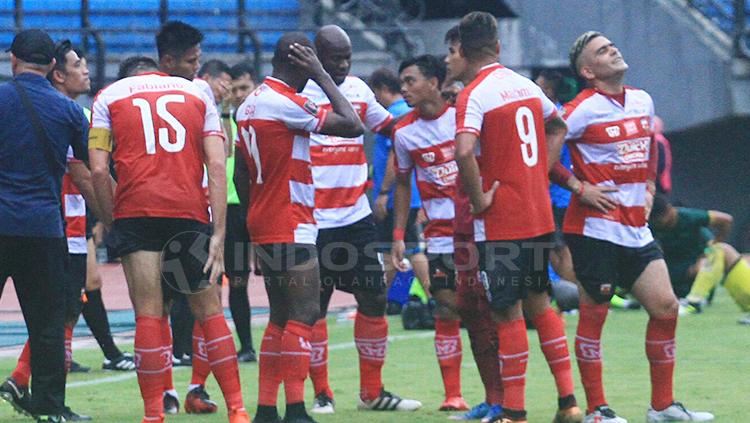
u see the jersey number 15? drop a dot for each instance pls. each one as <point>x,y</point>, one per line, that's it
<point>148,124</point>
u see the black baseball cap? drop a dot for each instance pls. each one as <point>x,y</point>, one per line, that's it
<point>33,46</point>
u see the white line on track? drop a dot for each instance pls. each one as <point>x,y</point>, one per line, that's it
<point>341,346</point>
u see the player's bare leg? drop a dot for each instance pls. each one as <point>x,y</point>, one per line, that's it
<point>551,331</point>
<point>152,356</point>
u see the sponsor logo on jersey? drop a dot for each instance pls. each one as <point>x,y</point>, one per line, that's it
<point>631,151</point>
<point>645,124</point>
<point>613,131</point>
<point>429,157</point>
<point>630,127</point>
<point>445,173</point>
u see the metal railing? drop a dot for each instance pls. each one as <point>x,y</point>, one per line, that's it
<point>246,36</point>
<point>733,21</point>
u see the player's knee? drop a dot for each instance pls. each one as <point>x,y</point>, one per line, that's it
<point>371,304</point>
<point>93,281</point>
<point>668,307</point>
<point>731,255</point>
<point>305,312</point>
<point>205,304</point>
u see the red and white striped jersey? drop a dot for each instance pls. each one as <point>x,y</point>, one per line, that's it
<point>427,146</point>
<point>610,145</point>
<point>339,165</point>
<point>507,112</point>
<point>274,125</point>
<point>74,211</point>
<point>158,123</point>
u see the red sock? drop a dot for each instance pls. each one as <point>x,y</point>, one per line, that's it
<point>319,358</point>
<point>660,350</point>
<point>151,362</point>
<point>201,368</point>
<point>222,356</point>
<point>68,347</point>
<point>22,373</point>
<point>295,355</point>
<point>448,351</point>
<point>551,331</point>
<point>589,352</point>
<point>166,348</point>
<point>371,338</point>
<point>269,366</point>
<point>514,354</point>
<point>483,337</point>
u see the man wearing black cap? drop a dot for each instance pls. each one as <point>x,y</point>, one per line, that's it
<point>32,243</point>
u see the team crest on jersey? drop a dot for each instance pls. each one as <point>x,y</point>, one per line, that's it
<point>613,131</point>
<point>630,127</point>
<point>645,124</point>
<point>429,157</point>
<point>311,107</point>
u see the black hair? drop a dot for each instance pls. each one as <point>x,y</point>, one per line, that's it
<point>430,66</point>
<point>244,67</point>
<point>660,207</point>
<point>452,36</point>
<point>385,78</point>
<point>478,35</point>
<point>175,38</point>
<point>62,48</point>
<point>213,68</point>
<point>282,50</point>
<point>554,78</point>
<point>133,64</point>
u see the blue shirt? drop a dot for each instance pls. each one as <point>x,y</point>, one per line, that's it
<point>383,146</point>
<point>29,190</point>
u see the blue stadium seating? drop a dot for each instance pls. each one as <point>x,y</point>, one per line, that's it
<point>720,12</point>
<point>129,26</point>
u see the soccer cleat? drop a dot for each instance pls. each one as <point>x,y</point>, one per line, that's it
<point>182,361</point>
<point>569,415</point>
<point>239,416</point>
<point>247,356</point>
<point>477,412</point>
<point>17,396</point>
<point>72,416</point>
<point>76,367</point>
<point>677,413</point>
<point>171,404</point>
<point>386,401</point>
<point>603,414</point>
<point>123,363</point>
<point>197,401</point>
<point>50,419</point>
<point>323,404</point>
<point>454,404</point>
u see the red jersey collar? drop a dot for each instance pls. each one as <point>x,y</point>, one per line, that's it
<point>442,111</point>
<point>278,85</point>
<point>489,68</point>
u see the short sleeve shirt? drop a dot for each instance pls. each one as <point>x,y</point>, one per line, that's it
<point>507,112</point>
<point>685,242</point>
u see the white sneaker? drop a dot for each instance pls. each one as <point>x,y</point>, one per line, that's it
<point>323,404</point>
<point>677,413</point>
<point>603,414</point>
<point>389,402</point>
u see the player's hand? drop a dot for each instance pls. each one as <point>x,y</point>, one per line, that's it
<point>421,217</point>
<point>397,256</point>
<point>596,197</point>
<point>97,233</point>
<point>225,90</point>
<point>305,58</point>
<point>380,208</point>
<point>215,261</point>
<point>485,201</point>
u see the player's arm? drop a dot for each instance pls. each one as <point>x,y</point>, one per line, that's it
<point>100,148</point>
<point>215,161</point>
<point>555,130</point>
<point>401,203</point>
<point>721,224</point>
<point>468,169</point>
<point>342,121</point>
<point>593,196</point>
<point>241,179</point>
<point>381,201</point>
<point>81,176</point>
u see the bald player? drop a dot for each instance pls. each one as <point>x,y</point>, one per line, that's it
<point>275,125</point>
<point>347,236</point>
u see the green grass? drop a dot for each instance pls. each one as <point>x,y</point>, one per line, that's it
<point>712,374</point>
